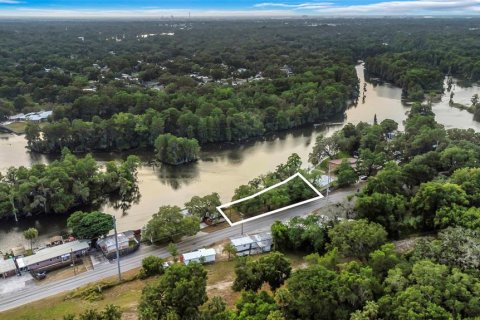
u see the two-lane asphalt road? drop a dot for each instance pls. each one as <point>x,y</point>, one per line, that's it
<point>18,298</point>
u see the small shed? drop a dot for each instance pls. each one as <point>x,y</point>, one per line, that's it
<point>7,268</point>
<point>200,256</point>
<point>55,240</point>
<point>18,251</point>
<point>127,243</point>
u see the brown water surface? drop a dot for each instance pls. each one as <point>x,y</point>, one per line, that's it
<point>222,168</point>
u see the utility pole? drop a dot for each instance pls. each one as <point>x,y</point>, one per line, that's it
<point>241,225</point>
<point>328,180</point>
<point>116,246</point>
<point>73,262</point>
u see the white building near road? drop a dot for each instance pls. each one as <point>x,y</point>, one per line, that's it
<point>200,256</point>
<point>254,244</point>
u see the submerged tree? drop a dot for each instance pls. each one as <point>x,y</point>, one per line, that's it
<point>173,150</point>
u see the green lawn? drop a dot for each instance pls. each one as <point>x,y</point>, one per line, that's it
<point>18,127</point>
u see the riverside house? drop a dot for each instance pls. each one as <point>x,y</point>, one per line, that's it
<point>54,257</point>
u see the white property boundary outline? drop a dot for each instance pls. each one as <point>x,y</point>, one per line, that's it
<point>298,174</point>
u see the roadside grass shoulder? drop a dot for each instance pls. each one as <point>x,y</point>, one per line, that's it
<point>126,295</point>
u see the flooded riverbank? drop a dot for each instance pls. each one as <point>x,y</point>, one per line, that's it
<point>223,168</point>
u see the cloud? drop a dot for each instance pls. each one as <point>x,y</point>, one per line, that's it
<point>282,8</point>
<point>301,6</point>
<point>10,2</point>
<point>139,13</point>
<point>385,7</point>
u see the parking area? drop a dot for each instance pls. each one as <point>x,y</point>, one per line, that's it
<point>16,283</point>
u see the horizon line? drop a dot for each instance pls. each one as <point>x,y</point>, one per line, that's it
<point>186,16</point>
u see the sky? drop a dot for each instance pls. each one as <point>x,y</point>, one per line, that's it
<point>225,8</point>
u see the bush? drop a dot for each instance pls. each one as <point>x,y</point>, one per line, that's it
<point>151,266</point>
<point>357,238</point>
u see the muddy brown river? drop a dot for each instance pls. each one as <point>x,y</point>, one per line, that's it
<point>223,168</point>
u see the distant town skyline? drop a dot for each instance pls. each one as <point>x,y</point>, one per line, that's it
<point>229,8</point>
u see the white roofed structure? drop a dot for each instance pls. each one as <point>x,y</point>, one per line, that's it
<point>7,267</point>
<point>201,256</point>
<point>49,256</point>
<point>254,244</point>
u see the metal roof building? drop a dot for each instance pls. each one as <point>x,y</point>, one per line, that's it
<point>108,245</point>
<point>201,255</point>
<point>53,255</point>
<point>7,268</point>
<point>253,244</point>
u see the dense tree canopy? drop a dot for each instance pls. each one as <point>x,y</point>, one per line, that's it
<point>357,238</point>
<point>65,184</point>
<point>175,295</point>
<point>90,225</point>
<point>169,224</point>
<point>172,86</point>
<point>204,207</point>
<point>273,269</point>
<point>174,150</point>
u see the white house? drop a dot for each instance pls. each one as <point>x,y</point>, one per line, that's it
<point>38,116</point>
<point>17,117</point>
<point>127,243</point>
<point>254,244</point>
<point>242,245</point>
<point>200,256</point>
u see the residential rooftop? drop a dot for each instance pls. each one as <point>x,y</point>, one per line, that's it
<point>56,251</point>
<point>199,254</point>
<point>7,265</point>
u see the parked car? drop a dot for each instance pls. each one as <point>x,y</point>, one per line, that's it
<point>40,275</point>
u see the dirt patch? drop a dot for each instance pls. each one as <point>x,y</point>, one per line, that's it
<point>129,316</point>
<point>224,289</point>
<point>223,285</point>
<point>219,226</point>
<point>221,256</point>
<point>342,209</point>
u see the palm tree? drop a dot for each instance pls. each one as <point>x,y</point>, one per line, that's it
<point>30,234</point>
<point>230,249</point>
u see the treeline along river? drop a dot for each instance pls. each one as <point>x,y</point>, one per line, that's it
<point>223,168</point>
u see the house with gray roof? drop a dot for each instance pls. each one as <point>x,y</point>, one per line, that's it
<point>254,244</point>
<point>7,268</point>
<point>54,257</point>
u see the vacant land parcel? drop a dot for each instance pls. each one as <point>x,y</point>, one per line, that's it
<point>294,191</point>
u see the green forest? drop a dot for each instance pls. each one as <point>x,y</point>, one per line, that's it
<point>407,249</point>
<point>293,191</point>
<point>422,189</point>
<point>118,87</point>
<point>66,184</point>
